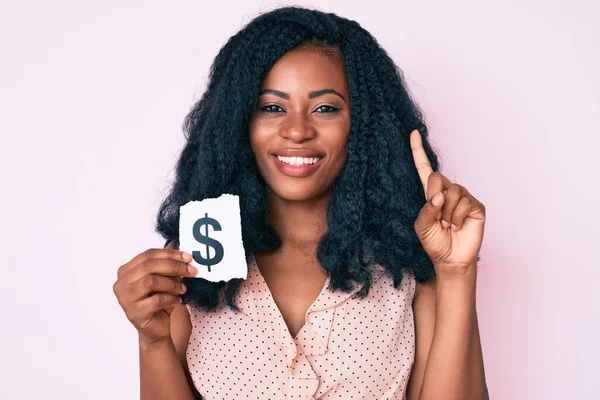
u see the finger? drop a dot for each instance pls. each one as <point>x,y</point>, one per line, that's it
<point>153,283</point>
<point>453,196</point>
<point>172,245</point>
<point>420,158</point>
<point>437,183</point>
<point>163,254</point>
<point>461,211</point>
<point>167,267</point>
<point>169,310</point>
<point>427,216</point>
<point>438,216</point>
<point>144,309</point>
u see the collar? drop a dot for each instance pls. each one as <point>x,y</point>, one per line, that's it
<point>255,299</point>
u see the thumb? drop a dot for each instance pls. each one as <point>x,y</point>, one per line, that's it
<point>169,310</point>
<point>427,216</point>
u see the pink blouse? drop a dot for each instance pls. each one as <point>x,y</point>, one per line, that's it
<point>347,349</point>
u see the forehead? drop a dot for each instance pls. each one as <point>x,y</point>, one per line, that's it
<point>304,69</point>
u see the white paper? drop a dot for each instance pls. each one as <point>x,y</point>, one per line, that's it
<point>211,231</point>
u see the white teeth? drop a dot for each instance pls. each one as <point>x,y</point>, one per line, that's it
<point>298,160</point>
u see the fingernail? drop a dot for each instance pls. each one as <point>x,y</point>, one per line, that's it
<point>445,224</point>
<point>186,256</point>
<point>192,270</point>
<point>454,227</point>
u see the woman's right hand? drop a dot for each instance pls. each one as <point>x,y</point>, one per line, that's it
<point>148,289</point>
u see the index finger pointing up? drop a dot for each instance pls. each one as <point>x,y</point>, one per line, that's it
<point>420,158</point>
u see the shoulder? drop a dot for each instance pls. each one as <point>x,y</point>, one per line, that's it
<point>424,298</point>
<point>181,325</point>
<point>425,289</point>
<point>181,328</point>
<point>424,303</point>
<point>424,315</point>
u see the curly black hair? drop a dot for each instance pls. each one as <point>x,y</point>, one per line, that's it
<point>375,200</point>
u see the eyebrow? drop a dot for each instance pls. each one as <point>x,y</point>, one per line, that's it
<point>311,95</point>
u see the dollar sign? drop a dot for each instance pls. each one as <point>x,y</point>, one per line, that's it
<point>209,242</point>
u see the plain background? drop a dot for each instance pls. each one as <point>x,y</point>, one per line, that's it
<point>92,98</point>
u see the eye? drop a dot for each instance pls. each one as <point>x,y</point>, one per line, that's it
<point>268,108</point>
<point>328,110</point>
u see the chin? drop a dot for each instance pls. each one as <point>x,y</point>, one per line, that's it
<point>296,192</point>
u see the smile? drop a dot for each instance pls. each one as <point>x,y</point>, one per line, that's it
<point>299,160</point>
<point>297,167</point>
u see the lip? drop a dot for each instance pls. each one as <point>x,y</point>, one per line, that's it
<point>298,153</point>
<point>297,171</point>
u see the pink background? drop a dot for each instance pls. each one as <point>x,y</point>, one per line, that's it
<point>93,95</point>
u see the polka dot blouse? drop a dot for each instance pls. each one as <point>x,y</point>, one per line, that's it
<point>347,349</point>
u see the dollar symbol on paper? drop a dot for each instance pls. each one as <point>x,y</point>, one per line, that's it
<point>208,241</point>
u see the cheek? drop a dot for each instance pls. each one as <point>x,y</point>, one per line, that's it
<point>341,154</point>
<point>259,143</point>
<point>340,144</point>
<point>257,138</point>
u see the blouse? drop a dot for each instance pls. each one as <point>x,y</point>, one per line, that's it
<point>347,349</point>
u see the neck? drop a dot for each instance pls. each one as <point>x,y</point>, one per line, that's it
<point>299,224</point>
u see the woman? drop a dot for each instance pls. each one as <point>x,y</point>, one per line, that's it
<point>361,255</point>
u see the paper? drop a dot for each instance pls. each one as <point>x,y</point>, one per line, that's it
<point>211,231</point>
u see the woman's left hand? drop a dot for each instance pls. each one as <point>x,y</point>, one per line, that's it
<point>450,225</point>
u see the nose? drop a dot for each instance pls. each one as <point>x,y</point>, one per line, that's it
<point>297,129</point>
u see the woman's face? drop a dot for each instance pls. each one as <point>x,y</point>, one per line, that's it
<point>301,123</point>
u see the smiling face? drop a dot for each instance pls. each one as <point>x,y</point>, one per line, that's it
<point>301,123</point>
